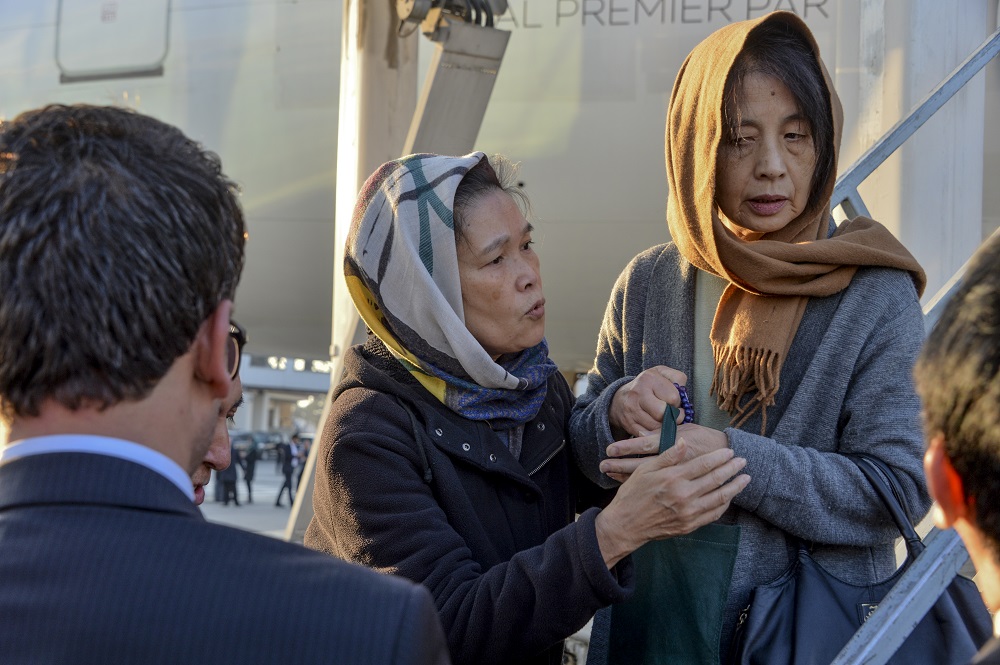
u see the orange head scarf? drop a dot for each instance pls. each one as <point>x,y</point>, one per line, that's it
<point>771,278</point>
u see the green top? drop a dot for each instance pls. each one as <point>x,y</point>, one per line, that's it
<point>708,291</point>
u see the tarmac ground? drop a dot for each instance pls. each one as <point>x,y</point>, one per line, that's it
<point>261,516</point>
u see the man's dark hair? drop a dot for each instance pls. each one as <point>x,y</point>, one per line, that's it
<point>118,237</point>
<point>496,173</point>
<point>958,378</point>
<point>777,51</point>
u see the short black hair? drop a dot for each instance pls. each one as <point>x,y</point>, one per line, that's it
<point>774,49</point>
<point>119,236</point>
<point>958,378</point>
<point>491,173</point>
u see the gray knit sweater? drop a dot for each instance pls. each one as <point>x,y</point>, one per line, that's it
<point>845,388</point>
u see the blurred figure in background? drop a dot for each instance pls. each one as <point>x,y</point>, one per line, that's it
<point>288,456</point>
<point>249,464</point>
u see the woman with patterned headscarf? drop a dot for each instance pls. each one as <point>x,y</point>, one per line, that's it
<point>444,458</point>
<point>794,338</point>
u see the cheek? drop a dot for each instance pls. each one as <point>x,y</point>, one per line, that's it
<point>728,183</point>
<point>806,167</point>
<point>483,294</point>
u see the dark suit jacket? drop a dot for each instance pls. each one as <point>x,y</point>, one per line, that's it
<point>989,654</point>
<point>106,561</point>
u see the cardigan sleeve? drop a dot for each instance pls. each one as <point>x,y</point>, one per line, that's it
<point>801,480</point>
<point>372,506</point>
<point>590,431</point>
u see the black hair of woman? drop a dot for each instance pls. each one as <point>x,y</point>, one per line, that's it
<point>774,50</point>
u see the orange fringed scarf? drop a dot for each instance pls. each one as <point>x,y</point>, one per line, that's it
<point>770,279</point>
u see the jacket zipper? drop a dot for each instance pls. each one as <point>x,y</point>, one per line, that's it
<point>548,459</point>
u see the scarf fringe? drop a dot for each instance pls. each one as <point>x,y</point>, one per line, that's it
<point>745,382</point>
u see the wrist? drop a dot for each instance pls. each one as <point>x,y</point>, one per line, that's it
<point>610,539</point>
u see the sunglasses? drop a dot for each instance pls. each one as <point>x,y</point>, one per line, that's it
<point>234,351</point>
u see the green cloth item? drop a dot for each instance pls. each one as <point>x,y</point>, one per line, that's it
<point>675,615</point>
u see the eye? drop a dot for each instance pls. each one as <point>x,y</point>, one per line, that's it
<point>497,261</point>
<point>527,245</point>
<point>740,142</point>
<point>231,419</point>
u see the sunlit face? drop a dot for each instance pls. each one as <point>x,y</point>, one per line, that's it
<point>217,456</point>
<point>501,282</point>
<point>764,175</point>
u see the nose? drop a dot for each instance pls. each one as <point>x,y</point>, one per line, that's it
<point>529,275</point>
<point>218,454</point>
<point>770,160</point>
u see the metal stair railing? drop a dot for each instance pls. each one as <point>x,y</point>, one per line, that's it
<point>931,572</point>
<point>845,193</point>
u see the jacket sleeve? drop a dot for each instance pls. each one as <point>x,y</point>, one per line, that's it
<point>419,640</point>
<point>372,506</point>
<point>808,487</point>
<point>589,429</point>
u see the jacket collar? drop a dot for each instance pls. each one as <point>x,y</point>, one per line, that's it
<point>87,478</point>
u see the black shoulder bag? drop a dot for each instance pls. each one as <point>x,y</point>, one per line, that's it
<point>807,615</point>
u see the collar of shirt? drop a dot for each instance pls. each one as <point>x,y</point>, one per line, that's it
<point>101,445</point>
<point>996,625</point>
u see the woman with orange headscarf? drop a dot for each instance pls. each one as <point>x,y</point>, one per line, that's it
<point>793,337</point>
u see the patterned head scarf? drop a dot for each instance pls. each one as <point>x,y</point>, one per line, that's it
<point>401,266</point>
<point>772,278</point>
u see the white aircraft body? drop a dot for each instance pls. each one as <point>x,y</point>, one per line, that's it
<point>579,101</point>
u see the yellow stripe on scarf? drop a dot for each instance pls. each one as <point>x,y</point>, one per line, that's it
<point>373,318</point>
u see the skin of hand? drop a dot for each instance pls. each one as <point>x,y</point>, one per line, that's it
<point>638,406</point>
<point>670,494</point>
<point>698,440</point>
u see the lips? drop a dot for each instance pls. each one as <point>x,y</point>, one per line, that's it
<point>537,310</point>
<point>199,494</point>
<point>765,206</point>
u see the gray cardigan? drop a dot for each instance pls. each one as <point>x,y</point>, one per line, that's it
<point>846,388</point>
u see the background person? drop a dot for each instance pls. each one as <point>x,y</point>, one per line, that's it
<point>229,476</point>
<point>131,226</point>
<point>302,457</point>
<point>958,378</point>
<point>445,458</point>
<point>795,338</point>
<point>288,455</point>
<point>249,464</point>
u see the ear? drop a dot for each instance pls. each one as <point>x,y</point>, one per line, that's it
<point>211,344</point>
<point>945,486</point>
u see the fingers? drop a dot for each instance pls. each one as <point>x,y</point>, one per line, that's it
<point>621,467</point>
<point>711,507</point>
<point>670,494</point>
<point>670,374</point>
<point>646,410</point>
<point>640,403</point>
<point>639,445</point>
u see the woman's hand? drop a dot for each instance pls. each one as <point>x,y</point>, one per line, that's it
<point>638,406</point>
<point>698,441</point>
<point>671,494</point>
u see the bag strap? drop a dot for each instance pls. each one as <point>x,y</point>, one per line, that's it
<point>887,486</point>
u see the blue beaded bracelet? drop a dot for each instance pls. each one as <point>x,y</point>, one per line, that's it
<point>686,404</point>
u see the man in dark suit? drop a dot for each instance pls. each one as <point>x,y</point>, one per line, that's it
<point>958,377</point>
<point>121,244</point>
